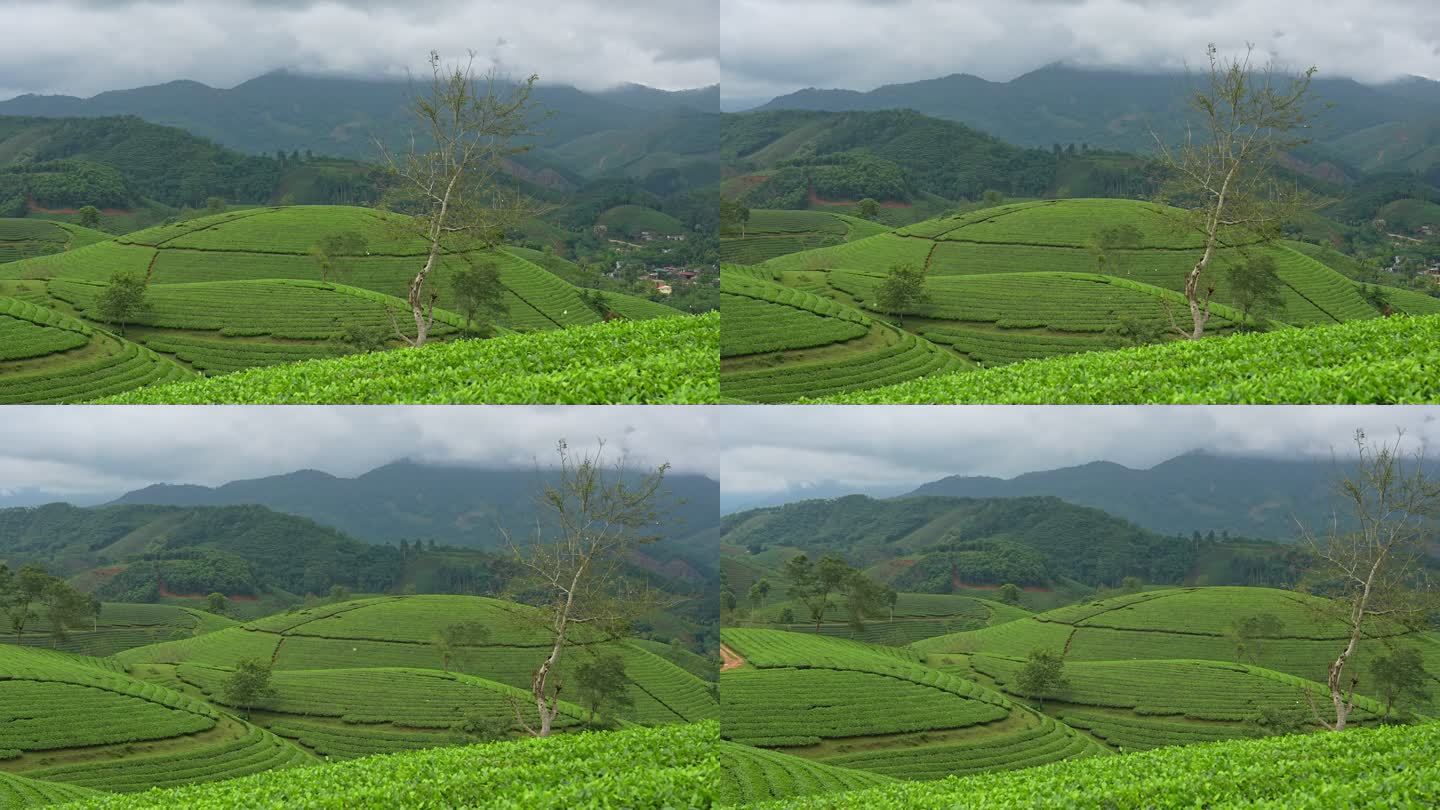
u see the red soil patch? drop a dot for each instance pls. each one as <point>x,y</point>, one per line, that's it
<point>817,200</point>
<point>40,209</point>
<point>166,592</point>
<point>729,659</point>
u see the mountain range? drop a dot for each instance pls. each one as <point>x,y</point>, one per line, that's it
<point>460,506</point>
<point>344,117</point>
<point>1370,125</point>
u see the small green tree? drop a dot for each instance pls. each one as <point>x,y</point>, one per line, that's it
<point>602,685</point>
<point>756,600</point>
<point>339,593</point>
<point>215,205</point>
<point>787,616</point>
<point>1043,675</point>
<point>287,200</point>
<point>867,208</point>
<point>248,685</point>
<point>903,289</point>
<point>335,254</point>
<point>478,727</point>
<point>1401,676</point>
<point>359,338</point>
<point>216,603</point>
<point>764,585</point>
<point>89,217</point>
<point>890,598</point>
<point>991,198</point>
<point>1010,593</point>
<point>1255,286</point>
<point>123,299</point>
<point>813,584</point>
<point>452,637</point>
<point>479,293</point>
<point>1248,634</point>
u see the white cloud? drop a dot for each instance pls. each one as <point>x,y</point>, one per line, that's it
<point>78,450</point>
<point>81,48</point>
<point>861,44</point>
<point>775,449</point>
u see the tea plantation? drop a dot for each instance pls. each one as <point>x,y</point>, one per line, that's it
<point>240,290</point>
<point>24,238</point>
<point>1150,670</point>
<point>1037,281</point>
<point>671,767</point>
<point>351,680</point>
<point>1385,767</point>
<point>659,361</point>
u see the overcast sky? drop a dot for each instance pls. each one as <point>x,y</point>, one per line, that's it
<point>111,450</point>
<point>788,449</point>
<point>82,47</point>
<point>769,48</point>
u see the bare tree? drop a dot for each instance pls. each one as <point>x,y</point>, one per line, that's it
<point>598,512</point>
<point>1225,178</point>
<point>454,183</point>
<point>1373,569</point>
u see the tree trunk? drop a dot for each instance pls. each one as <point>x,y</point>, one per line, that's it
<point>537,687</point>
<point>416,300</point>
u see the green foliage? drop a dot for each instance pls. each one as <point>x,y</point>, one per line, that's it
<point>479,294</point>
<point>902,290</point>
<point>1401,677</point>
<point>755,774</point>
<point>1376,361</point>
<point>89,217</point>
<point>664,360</point>
<point>122,300</point>
<point>1388,766</point>
<point>673,767</point>
<point>249,684</point>
<point>602,685</point>
<point>1010,594</point>
<point>1042,676</point>
<point>336,252</point>
<point>1256,289</point>
<point>1250,632</point>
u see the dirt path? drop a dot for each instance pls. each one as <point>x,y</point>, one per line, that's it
<point>729,659</point>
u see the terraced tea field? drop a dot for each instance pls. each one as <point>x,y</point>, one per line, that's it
<point>1377,361</point>
<point>770,233</point>
<point>24,238</point>
<point>1185,624</point>
<point>351,680</point>
<point>778,344</point>
<point>390,633</point>
<point>47,357</point>
<point>659,361</point>
<point>123,626</point>
<point>240,290</point>
<point>648,767</point>
<point>1007,284</point>
<point>1385,767</point>
<point>878,709</point>
<point>80,721</point>
<point>915,616</point>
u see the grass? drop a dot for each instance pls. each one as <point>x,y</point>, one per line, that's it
<point>1386,767</point>
<point>1379,361</point>
<point>669,360</point>
<point>672,767</point>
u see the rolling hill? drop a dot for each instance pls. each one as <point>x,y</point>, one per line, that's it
<point>1365,766</point>
<point>239,290</point>
<point>1188,624</point>
<point>78,726</point>
<point>1200,491</point>
<point>1012,283</point>
<point>1105,108</point>
<point>882,711</point>
<point>395,632</point>
<point>23,238</point>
